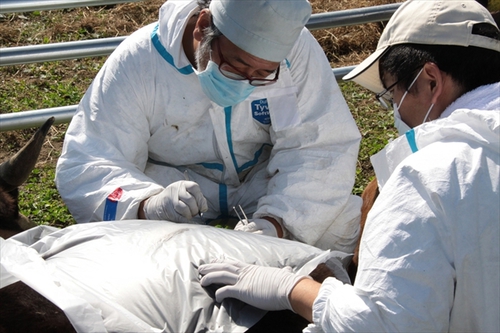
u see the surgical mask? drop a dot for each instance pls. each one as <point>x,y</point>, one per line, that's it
<point>220,89</point>
<point>400,125</point>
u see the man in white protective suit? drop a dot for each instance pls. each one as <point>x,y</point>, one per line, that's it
<point>218,104</point>
<point>429,256</point>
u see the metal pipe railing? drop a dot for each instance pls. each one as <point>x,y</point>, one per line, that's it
<point>342,18</point>
<point>35,118</point>
<point>22,6</point>
<point>104,46</point>
<point>58,51</point>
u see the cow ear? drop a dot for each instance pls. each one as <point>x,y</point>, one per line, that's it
<point>15,171</point>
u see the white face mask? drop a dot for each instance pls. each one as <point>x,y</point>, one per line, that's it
<point>400,125</point>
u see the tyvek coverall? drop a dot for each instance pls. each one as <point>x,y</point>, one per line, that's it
<point>430,253</point>
<point>288,151</point>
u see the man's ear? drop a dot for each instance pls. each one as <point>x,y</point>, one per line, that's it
<point>203,21</point>
<point>434,83</point>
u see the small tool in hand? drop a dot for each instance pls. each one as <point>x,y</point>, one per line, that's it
<point>245,220</point>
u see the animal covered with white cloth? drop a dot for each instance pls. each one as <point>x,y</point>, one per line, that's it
<point>136,275</point>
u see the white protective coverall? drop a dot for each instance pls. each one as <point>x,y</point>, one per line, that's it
<point>142,276</point>
<point>429,256</point>
<point>288,151</point>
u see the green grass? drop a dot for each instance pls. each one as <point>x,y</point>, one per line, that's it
<point>46,85</point>
<point>375,125</point>
<point>41,202</point>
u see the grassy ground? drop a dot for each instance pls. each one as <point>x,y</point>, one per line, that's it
<point>45,85</point>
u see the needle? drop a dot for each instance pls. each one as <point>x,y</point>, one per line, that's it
<point>243,212</point>
<point>245,220</point>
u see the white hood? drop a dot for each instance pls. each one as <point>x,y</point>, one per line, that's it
<point>173,18</point>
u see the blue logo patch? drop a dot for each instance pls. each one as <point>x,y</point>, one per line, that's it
<point>260,111</point>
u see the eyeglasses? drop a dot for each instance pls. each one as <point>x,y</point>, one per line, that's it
<point>385,97</point>
<point>234,74</point>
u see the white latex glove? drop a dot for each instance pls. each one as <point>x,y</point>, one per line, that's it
<point>266,288</point>
<point>257,226</point>
<point>178,202</point>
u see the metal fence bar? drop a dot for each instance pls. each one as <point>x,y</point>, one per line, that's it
<point>36,118</point>
<point>58,51</point>
<point>22,6</point>
<point>341,72</point>
<point>104,46</point>
<point>347,17</point>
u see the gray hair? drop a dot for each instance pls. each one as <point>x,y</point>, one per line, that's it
<point>210,33</point>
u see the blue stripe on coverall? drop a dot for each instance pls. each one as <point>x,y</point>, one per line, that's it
<point>223,188</point>
<point>216,166</point>
<point>110,210</point>
<point>227,111</point>
<point>167,56</point>
<point>224,210</point>
<point>410,136</point>
<point>111,205</point>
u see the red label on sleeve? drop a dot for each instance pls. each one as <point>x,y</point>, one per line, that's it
<point>116,195</point>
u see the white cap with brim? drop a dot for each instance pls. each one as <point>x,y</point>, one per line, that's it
<point>267,29</point>
<point>443,22</point>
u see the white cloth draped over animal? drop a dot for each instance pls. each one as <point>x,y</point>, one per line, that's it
<point>141,276</point>
<point>131,276</point>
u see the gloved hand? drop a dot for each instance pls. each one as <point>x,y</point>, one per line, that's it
<point>257,226</point>
<point>178,202</point>
<point>266,288</point>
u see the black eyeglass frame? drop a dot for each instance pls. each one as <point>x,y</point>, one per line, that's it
<point>239,76</point>
<point>387,102</point>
